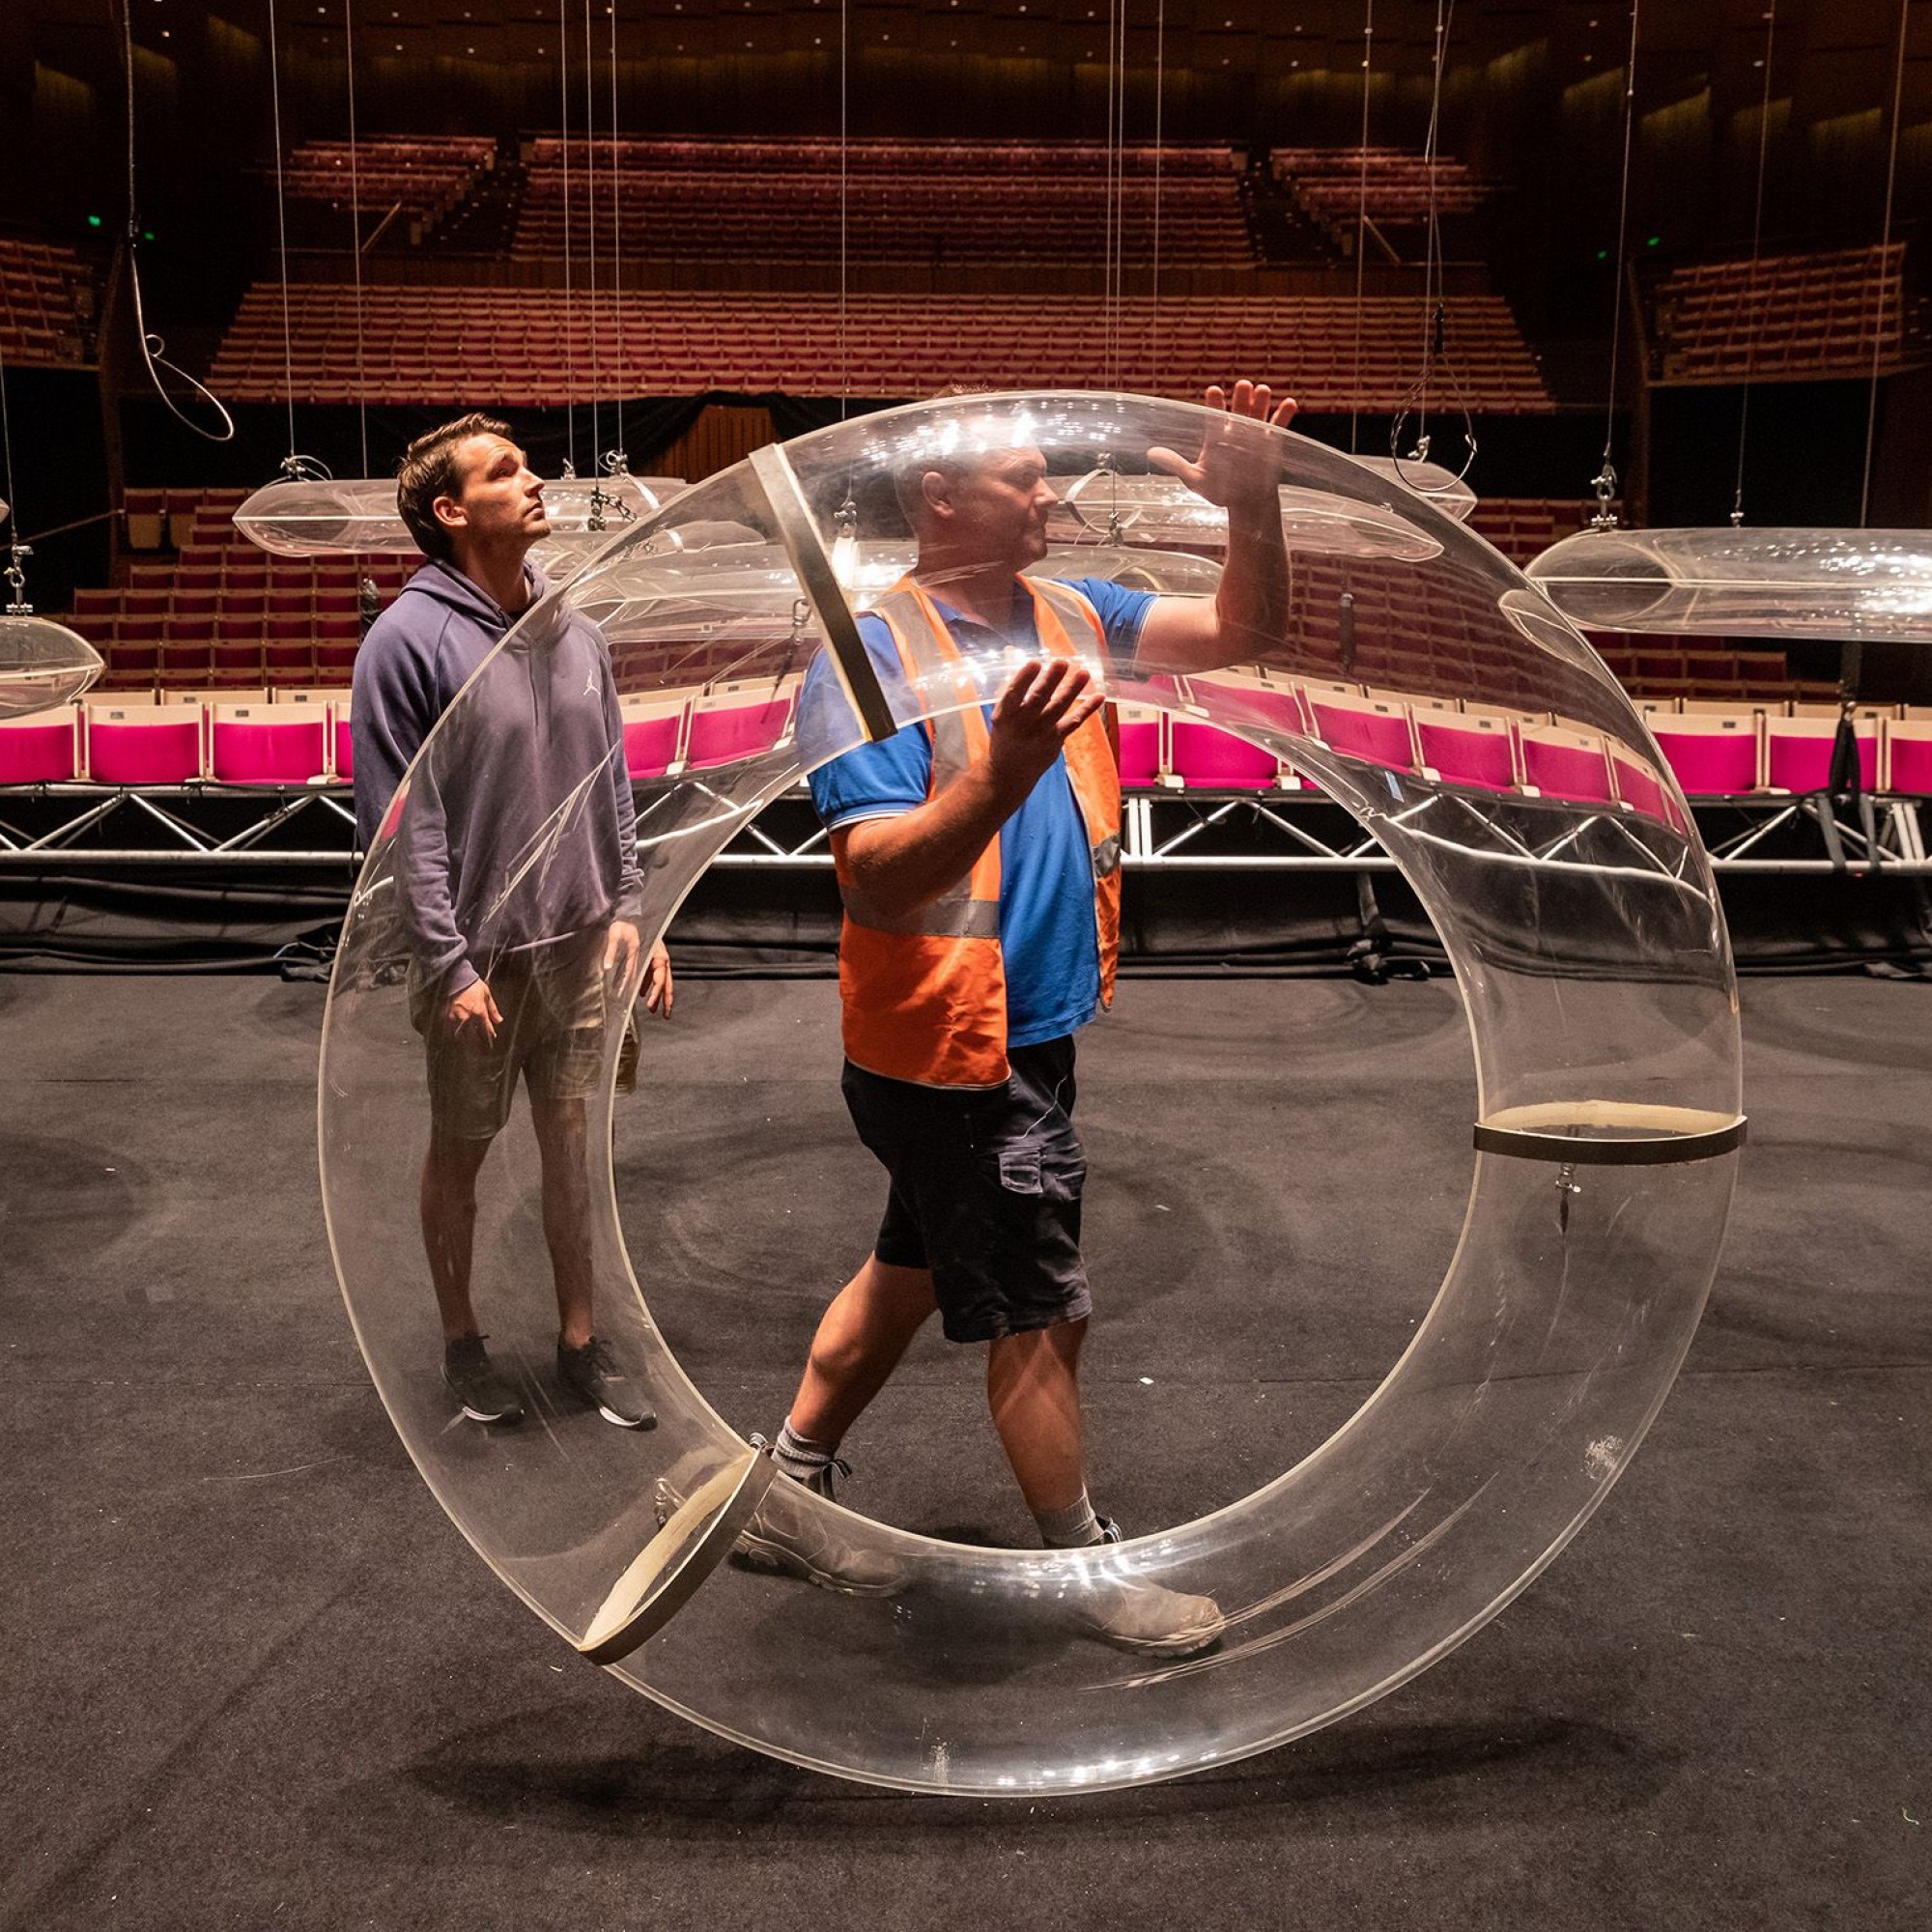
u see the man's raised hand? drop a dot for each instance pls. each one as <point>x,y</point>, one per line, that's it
<point>1237,471</point>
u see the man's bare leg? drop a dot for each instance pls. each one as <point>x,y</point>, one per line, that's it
<point>448,1201</point>
<point>1033,1387</point>
<point>561,1144</point>
<point>1033,1390</point>
<point>860,1338</point>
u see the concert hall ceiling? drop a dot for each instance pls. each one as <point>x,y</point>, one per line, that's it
<point>1837,49</point>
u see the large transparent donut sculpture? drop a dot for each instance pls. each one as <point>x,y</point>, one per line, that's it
<point>1419,680</point>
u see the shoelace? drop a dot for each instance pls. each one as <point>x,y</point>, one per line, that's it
<point>819,1482</point>
<point>598,1360</point>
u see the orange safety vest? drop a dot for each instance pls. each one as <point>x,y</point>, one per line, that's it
<point>924,996</point>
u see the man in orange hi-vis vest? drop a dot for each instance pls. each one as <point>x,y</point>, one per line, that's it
<point>978,859</point>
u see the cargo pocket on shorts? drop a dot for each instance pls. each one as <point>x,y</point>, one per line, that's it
<point>1048,1169</point>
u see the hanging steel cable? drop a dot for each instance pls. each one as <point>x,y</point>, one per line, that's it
<point>1435,306</point>
<point>282,232</point>
<point>1113,189</point>
<point>1445,12</point>
<point>590,224</point>
<point>355,230</point>
<point>620,460</point>
<point>1751,286</point>
<point>42,663</point>
<point>1361,218</point>
<point>1884,253</point>
<point>569,297</point>
<point>1159,156</point>
<point>12,506</point>
<point>844,207</point>
<point>1605,482</point>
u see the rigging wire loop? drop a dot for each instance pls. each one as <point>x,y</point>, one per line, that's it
<point>151,346</point>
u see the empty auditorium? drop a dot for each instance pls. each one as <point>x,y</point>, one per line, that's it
<point>960,963</point>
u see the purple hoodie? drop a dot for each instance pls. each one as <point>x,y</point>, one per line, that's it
<point>519,827</point>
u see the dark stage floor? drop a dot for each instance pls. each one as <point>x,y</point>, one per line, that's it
<point>256,1678</point>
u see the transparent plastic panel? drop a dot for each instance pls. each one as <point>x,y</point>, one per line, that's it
<point>1574,902</point>
<point>1841,586</point>
<point>1442,488</point>
<point>41,664</point>
<point>326,515</point>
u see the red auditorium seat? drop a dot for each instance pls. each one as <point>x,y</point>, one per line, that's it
<point>1142,756</point>
<point>1361,727</point>
<point>653,733</point>
<point>1638,787</point>
<point>44,749</point>
<point>1566,764</point>
<point>1797,752</point>
<point>1207,758</point>
<point>732,722</point>
<point>272,744</point>
<point>1474,750</point>
<point>1908,756</point>
<point>130,744</point>
<point>1713,754</point>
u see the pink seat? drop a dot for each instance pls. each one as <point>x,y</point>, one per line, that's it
<point>650,742</point>
<point>724,731</point>
<point>1212,759</point>
<point>1368,729</point>
<point>41,749</point>
<point>1140,746</point>
<point>1571,765</point>
<point>1638,787</point>
<point>1909,761</point>
<point>252,744</point>
<point>1798,754</point>
<point>143,744</point>
<point>1467,751</point>
<point>345,749</point>
<point>1710,755</point>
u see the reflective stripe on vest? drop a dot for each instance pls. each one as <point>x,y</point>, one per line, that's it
<point>924,993</point>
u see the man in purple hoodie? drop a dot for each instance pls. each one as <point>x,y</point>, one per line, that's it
<point>516,878</point>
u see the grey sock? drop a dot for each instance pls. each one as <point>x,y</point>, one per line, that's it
<point>1073,1527</point>
<point>803,1460</point>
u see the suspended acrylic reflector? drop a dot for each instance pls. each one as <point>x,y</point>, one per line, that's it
<point>1156,509</point>
<point>322,516</point>
<point>43,664</point>
<point>1570,893</point>
<point>1440,487</point>
<point>1844,586</point>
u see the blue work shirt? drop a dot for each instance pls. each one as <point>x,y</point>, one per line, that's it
<point>1052,951</point>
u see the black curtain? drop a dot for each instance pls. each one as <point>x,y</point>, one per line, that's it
<point>60,477</point>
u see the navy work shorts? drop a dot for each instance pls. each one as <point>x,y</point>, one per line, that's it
<point>552,1036</point>
<point>985,1191</point>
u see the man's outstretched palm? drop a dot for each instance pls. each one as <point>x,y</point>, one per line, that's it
<point>1234,470</point>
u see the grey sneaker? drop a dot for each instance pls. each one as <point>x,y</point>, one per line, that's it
<point>783,1539</point>
<point>593,1376</point>
<point>1139,1616</point>
<point>484,1394</point>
